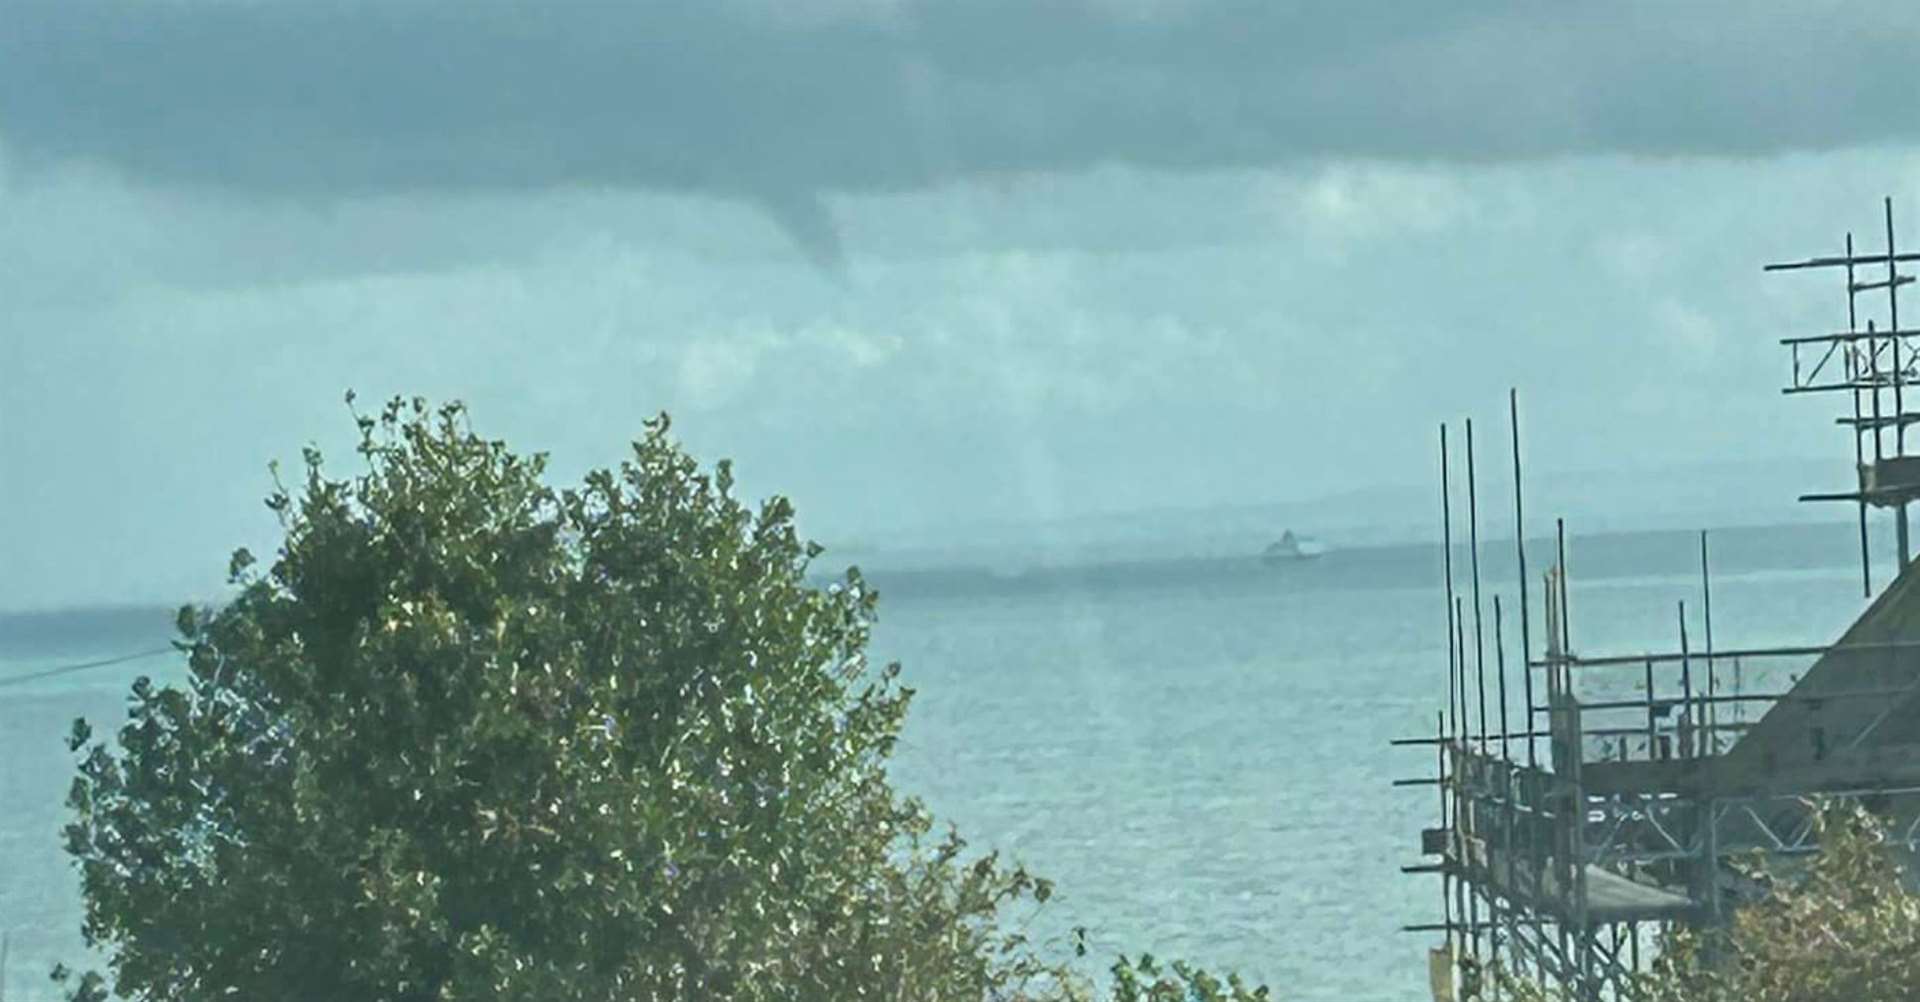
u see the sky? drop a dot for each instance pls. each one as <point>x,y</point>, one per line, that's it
<point>921,266</point>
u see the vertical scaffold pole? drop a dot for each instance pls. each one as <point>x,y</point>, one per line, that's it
<point>1446,823</point>
<point>1473,536</point>
<point>1706,621</point>
<point>1446,556</point>
<point>1690,739</point>
<point>1854,377</point>
<point>1652,724</point>
<point>1509,784</point>
<point>1500,673</point>
<point>1449,723</point>
<point>1520,557</point>
<point>1899,373</point>
<point>1463,805</point>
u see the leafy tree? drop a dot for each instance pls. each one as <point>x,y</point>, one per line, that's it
<point>1844,926</point>
<point>470,737</point>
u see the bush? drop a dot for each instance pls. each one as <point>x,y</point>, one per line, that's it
<point>469,737</point>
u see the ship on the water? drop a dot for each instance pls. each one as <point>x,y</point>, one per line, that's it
<point>1293,547</point>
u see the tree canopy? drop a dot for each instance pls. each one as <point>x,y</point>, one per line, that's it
<point>1842,927</point>
<point>471,737</point>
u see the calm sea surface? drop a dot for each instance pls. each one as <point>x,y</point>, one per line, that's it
<point>1195,751</point>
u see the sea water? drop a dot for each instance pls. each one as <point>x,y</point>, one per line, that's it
<point>1195,751</point>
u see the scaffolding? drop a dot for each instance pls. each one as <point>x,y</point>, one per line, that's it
<point>1660,769</point>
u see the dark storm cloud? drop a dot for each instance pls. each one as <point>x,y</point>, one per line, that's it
<point>297,96</point>
<point>745,99</point>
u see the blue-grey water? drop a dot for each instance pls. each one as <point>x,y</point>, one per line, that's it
<point>1196,751</point>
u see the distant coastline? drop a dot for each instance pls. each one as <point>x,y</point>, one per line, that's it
<point>914,575</point>
<point>1794,546</point>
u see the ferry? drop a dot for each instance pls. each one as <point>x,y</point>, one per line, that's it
<point>1291,548</point>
